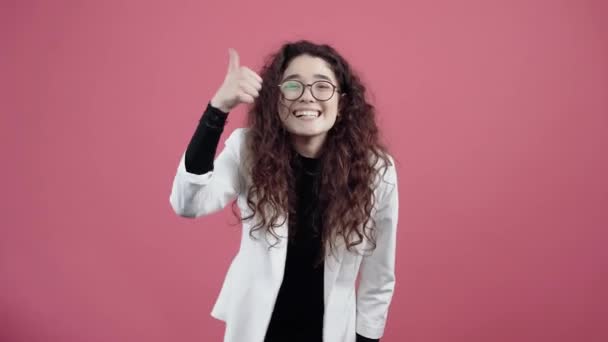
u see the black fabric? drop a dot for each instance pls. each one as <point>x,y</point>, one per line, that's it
<point>203,144</point>
<point>361,338</point>
<point>299,308</point>
<point>298,312</point>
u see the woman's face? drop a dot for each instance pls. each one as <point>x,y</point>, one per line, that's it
<point>308,116</point>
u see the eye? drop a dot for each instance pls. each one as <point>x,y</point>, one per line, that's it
<point>291,85</point>
<point>323,86</point>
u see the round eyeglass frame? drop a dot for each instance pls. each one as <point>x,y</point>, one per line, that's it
<point>304,86</point>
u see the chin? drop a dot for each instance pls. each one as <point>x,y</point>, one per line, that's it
<point>306,132</point>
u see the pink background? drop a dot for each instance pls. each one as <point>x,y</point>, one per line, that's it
<point>497,112</point>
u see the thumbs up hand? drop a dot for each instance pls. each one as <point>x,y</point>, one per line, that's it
<point>241,85</point>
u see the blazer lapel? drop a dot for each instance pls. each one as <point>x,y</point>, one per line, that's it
<point>333,265</point>
<point>278,253</point>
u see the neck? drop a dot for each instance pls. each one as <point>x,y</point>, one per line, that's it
<point>309,147</point>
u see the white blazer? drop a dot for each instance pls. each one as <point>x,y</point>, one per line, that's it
<point>246,300</point>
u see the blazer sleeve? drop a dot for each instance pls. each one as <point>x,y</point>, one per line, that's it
<point>194,195</point>
<point>377,273</point>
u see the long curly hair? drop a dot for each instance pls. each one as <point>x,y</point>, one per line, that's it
<point>350,151</point>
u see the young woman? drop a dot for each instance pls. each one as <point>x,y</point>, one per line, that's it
<point>317,195</point>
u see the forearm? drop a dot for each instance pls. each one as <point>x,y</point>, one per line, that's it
<point>203,144</point>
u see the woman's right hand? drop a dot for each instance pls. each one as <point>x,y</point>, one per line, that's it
<point>241,85</point>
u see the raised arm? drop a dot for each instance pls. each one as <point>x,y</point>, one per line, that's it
<point>203,185</point>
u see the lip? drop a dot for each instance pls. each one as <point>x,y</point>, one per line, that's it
<point>306,108</point>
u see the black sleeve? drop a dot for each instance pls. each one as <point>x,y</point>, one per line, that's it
<point>365,339</point>
<point>203,145</point>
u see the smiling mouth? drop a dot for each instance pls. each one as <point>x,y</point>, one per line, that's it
<point>306,113</point>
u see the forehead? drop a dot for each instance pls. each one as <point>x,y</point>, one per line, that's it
<point>307,67</point>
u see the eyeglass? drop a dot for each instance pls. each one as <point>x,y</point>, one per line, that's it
<point>320,90</point>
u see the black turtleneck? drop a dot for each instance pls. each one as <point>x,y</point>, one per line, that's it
<point>299,309</point>
<point>298,312</point>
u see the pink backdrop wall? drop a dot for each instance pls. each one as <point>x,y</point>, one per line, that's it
<point>497,112</point>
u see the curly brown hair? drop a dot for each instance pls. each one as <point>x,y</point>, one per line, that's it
<point>348,158</point>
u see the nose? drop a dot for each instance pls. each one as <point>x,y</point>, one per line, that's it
<point>307,96</point>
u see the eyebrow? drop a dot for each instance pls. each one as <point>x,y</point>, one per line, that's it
<point>321,76</point>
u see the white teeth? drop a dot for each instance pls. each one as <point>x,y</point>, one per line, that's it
<point>306,113</point>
